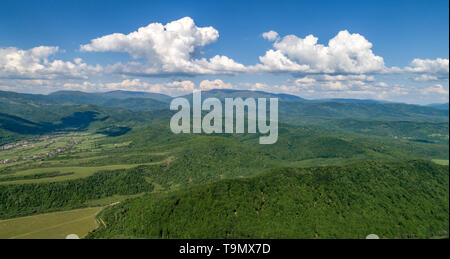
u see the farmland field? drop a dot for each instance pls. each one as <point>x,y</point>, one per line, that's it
<point>67,173</point>
<point>440,161</point>
<point>55,225</point>
<point>72,164</point>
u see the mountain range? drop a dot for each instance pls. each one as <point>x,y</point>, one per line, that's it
<point>340,168</point>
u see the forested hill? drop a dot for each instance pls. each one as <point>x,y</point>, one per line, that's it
<point>293,109</point>
<point>49,109</point>
<point>442,106</point>
<point>392,200</point>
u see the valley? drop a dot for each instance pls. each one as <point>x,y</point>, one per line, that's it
<point>382,168</point>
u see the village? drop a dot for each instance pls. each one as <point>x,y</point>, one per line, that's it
<point>31,142</point>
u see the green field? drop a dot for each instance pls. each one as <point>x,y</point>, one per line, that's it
<point>77,172</point>
<point>52,142</point>
<point>440,161</point>
<point>55,225</point>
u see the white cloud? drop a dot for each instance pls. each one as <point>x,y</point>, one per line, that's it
<point>308,87</point>
<point>339,84</point>
<point>305,82</point>
<point>171,88</point>
<point>345,77</point>
<point>334,86</point>
<point>437,66</point>
<point>276,61</point>
<point>216,84</point>
<point>381,84</point>
<point>169,43</point>
<point>168,49</point>
<point>345,53</point>
<point>270,35</point>
<point>257,86</point>
<point>217,65</point>
<point>345,66</point>
<point>436,89</point>
<point>425,78</point>
<point>27,85</point>
<point>332,82</point>
<point>179,87</point>
<point>37,63</point>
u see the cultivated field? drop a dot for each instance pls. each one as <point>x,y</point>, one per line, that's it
<point>79,155</point>
<point>55,225</point>
<point>441,161</point>
<point>67,173</point>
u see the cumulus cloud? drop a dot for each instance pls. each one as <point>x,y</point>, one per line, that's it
<point>425,78</point>
<point>332,82</point>
<point>276,61</point>
<point>343,67</point>
<point>438,67</point>
<point>345,77</point>
<point>167,49</point>
<point>172,88</point>
<point>345,53</point>
<point>179,87</point>
<point>37,63</point>
<point>215,84</point>
<point>170,43</point>
<point>436,89</point>
<point>305,82</point>
<point>308,87</point>
<point>26,85</point>
<point>381,84</point>
<point>257,86</point>
<point>335,83</point>
<point>270,35</point>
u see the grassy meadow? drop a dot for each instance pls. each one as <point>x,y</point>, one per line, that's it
<point>55,225</point>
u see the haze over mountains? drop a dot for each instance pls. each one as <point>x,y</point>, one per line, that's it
<point>66,110</point>
<point>126,99</point>
<point>217,93</point>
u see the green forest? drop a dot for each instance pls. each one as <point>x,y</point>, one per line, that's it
<point>394,200</point>
<point>340,168</point>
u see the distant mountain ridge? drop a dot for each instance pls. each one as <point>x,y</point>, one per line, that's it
<point>97,98</point>
<point>232,93</point>
<point>348,100</point>
<point>101,96</point>
<point>441,106</point>
<point>139,101</point>
<point>292,109</point>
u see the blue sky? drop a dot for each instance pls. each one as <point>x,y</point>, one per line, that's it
<point>398,32</point>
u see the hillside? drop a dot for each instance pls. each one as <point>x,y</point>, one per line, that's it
<point>221,94</point>
<point>441,106</point>
<point>293,109</point>
<point>304,113</point>
<point>296,110</point>
<point>78,97</point>
<point>427,132</point>
<point>393,200</point>
<point>73,155</point>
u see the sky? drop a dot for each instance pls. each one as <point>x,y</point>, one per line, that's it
<point>384,50</point>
